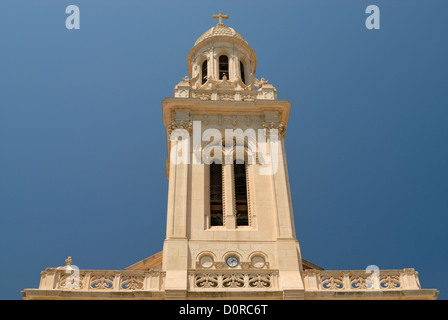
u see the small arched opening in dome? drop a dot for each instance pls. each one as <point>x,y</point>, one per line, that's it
<point>223,67</point>
<point>204,72</point>
<point>243,79</point>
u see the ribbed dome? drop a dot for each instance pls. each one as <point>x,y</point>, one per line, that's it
<point>220,30</point>
<point>231,43</point>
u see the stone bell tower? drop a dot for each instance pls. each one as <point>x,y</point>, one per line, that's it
<point>230,227</point>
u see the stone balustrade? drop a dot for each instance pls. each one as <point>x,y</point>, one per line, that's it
<point>314,280</point>
<point>233,279</point>
<point>69,278</point>
<point>353,280</point>
<point>71,283</point>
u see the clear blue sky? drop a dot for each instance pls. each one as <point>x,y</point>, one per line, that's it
<point>82,144</point>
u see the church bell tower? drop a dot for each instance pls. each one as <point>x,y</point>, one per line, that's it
<point>230,226</point>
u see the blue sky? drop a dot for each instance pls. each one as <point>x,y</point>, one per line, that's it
<point>82,144</point>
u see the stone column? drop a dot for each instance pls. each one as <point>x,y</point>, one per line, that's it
<point>228,195</point>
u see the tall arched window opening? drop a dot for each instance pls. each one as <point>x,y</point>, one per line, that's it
<point>242,72</point>
<point>204,72</point>
<point>242,214</point>
<point>223,67</point>
<point>216,212</point>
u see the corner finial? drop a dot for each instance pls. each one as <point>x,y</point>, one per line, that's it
<point>220,16</point>
<point>68,261</point>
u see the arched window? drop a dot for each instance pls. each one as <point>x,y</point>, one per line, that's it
<point>242,214</point>
<point>216,212</point>
<point>242,72</point>
<point>223,67</point>
<point>204,72</point>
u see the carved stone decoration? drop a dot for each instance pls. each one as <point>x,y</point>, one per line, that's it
<point>260,281</point>
<point>274,125</point>
<point>259,83</point>
<point>101,282</point>
<point>204,96</point>
<point>205,119</point>
<point>182,93</point>
<point>332,283</point>
<point>219,265</point>
<point>390,282</point>
<point>233,281</point>
<point>234,120</point>
<point>248,97</point>
<point>245,265</point>
<point>206,261</point>
<point>187,125</point>
<point>359,283</point>
<point>69,281</point>
<point>131,283</point>
<point>154,273</point>
<point>248,120</point>
<point>183,88</point>
<point>226,97</point>
<point>269,95</point>
<point>203,280</point>
<point>236,280</point>
<point>258,262</point>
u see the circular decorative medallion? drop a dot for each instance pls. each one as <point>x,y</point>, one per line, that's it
<point>232,261</point>
<point>206,262</point>
<point>258,262</point>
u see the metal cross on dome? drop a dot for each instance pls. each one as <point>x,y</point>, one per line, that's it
<point>220,16</point>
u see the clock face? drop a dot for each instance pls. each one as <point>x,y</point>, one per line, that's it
<point>232,262</point>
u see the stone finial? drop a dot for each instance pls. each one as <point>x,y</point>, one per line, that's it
<point>259,83</point>
<point>68,261</point>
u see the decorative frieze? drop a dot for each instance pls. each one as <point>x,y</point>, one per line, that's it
<point>179,124</point>
<point>227,95</point>
<point>274,125</point>
<point>234,280</point>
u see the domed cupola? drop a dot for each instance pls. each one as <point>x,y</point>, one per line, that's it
<point>221,66</point>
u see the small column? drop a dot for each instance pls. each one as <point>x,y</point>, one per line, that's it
<point>228,195</point>
<point>116,283</point>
